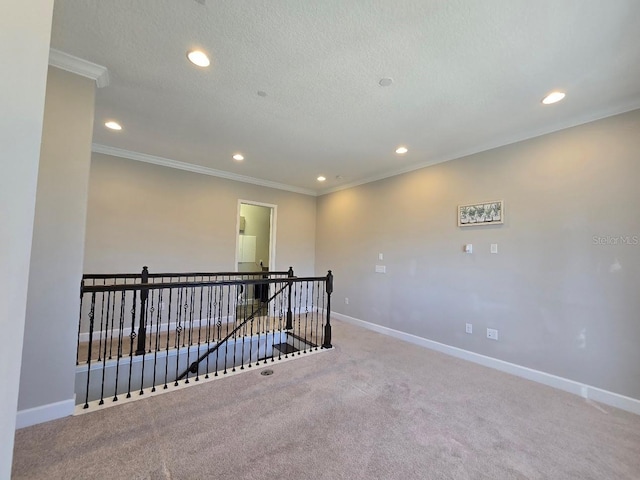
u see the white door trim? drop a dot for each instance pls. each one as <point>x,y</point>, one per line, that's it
<point>272,233</point>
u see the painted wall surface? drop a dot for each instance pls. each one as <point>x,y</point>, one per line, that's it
<point>48,357</point>
<point>172,220</point>
<point>562,291</point>
<point>257,223</point>
<point>25,28</point>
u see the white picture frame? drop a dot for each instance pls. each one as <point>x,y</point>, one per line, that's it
<point>481,213</point>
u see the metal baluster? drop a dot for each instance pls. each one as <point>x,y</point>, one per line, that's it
<point>104,356</point>
<point>120,337</point>
<point>306,315</point>
<point>150,310</point>
<point>91,322</point>
<point>280,322</point>
<point>185,317</point>
<point>190,341</point>
<point>101,324</point>
<point>299,297</point>
<point>316,321</point>
<point>113,316</point>
<point>166,358</point>
<point>182,295</point>
<point>157,344</point>
<point>178,319</point>
<point>199,334</point>
<point>272,319</point>
<point>250,328</point>
<point>226,344</point>
<point>220,296</point>
<point>132,335</point>
<point>209,311</point>
<point>244,335</point>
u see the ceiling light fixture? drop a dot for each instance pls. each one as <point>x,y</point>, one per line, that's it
<point>401,150</point>
<point>238,157</point>
<point>553,97</point>
<point>385,82</point>
<point>199,58</point>
<point>321,178</point>
<point>113,125</point>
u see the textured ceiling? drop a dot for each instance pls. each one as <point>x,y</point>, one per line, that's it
<point>467,75</point>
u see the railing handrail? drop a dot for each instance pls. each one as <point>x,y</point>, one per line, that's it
<point>101,276</point>
<point>156,286</point>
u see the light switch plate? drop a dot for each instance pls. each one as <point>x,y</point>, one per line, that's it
<point>381,269</point>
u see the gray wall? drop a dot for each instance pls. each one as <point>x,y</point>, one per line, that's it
<point>172,220</point>
<point>48,357</point>
<point>563,296</point>
<point>25,28</point>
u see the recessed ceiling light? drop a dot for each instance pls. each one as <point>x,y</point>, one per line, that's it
<point>321,178</point>
<point>199,58</point>
<point>385,82</point>
<point>113,125</point>
<point>238,157</point>
<point>401,150</point>
<point>553,97</point>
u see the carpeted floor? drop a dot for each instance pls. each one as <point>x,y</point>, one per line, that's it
<point>372,408</point>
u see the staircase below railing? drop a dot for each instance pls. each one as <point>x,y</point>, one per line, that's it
<point>144,331</point>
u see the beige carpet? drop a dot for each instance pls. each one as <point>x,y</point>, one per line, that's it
<point>373,408</point>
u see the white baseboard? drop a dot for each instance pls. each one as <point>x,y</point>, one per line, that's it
<point>45,413</point>
<point>586,391</point>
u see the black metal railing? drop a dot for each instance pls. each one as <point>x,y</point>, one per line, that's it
<point>139,331</point>
<point>145,277</point>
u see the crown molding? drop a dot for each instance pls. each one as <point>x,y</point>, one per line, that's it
<point>79,66</point>
<point>189,167</point>
<point>607,112</point>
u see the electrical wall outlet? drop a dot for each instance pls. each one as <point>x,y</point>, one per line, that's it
<point>492,333</point>
<point>346,300</point>
<point>469,328</point>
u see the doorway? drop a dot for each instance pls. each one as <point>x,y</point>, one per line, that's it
<point>255,250</point>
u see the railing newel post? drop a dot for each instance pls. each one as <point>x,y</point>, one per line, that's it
<point>289,325</point>
<point>79,322</point>
<point>327,326</point>
<point>142,327</point>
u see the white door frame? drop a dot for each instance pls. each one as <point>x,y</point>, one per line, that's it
<point>272,231</point>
